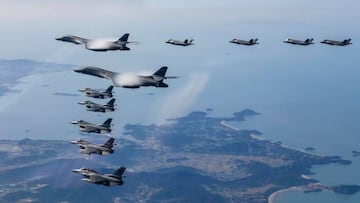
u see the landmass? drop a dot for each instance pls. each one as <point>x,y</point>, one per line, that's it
<point>12,70</point>
<point>195,158</point>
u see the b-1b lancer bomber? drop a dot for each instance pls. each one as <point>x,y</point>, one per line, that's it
<point>99,44</point>
<point>184,43</point>
<point>337,43</point>
<point>91,106</point>
<point>97,93</point>
<point>128,80</point>
<point>94,128</point>
<point>92,176</point>
<point>299,42</point>
<point>245,42</point>
<point>101,149</point>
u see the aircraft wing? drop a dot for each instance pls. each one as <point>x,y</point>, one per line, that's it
<point>95,71</point>
<point>91,150</point>
<point>72,39</point>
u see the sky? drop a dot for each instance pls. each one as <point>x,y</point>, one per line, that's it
<point>289,83</point>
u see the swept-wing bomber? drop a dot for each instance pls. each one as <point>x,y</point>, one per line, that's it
<point>99,44</point>
<point>127,80</point>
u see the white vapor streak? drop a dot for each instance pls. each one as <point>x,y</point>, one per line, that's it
<point>179,102</point>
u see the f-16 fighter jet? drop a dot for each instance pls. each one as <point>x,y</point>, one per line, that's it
<point>80,141</point>
<point>92,176</point>
<point>99,44</point>
<point>180,43</point>
<point>94,128</point>
<point>244,42</point>
<point>128,80</point>
<point>91,106</point>
<point>101,149</point>
<point>98,94</point>
<point>85,171</point>
<point>299,42</point>
<point>337,43</point>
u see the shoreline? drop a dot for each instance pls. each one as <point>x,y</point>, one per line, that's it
<point>274,195</point>
<point>264,139</point>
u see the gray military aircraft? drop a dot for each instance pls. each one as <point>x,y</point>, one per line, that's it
<point>97,93</point>
<point>91,106</point>
<point>128,80</point>
<point>92,176</point>
<point>184,43</point>
<point>99,44</point>
<point>337,43</point>
<point>101,149</point>
<point>85,171</point>
<point>80,141</point>
<point>94,128</point>
<point>244,42</point>
<point>299,42</point>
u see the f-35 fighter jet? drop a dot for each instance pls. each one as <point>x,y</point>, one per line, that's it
<point>94,128</point>
<point>128,80</point>
<point>99,44</point>
<point>101,149</point>
<point>98,94</point>
<point>92,176</point>
<point>299,42</point>
<point>244,42</point>
<point>337,43</point>
<point>184,43</point>
<point>91,106</point>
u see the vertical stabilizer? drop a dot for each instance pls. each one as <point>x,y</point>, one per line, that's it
<point>107,123</point>
<point>124,38</point>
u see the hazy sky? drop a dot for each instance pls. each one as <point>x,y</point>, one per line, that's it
<point>287,82</point>
<point>28,24</point>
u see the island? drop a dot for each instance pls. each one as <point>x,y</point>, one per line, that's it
<point>194,158</point>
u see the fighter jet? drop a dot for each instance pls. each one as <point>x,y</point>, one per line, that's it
<point>244,42</point>
<point>299,42</point>
<point>184,43</point>
<point>92,176</point>
<point>85,171</point>
<point>128,80</point>
<point>337,43</point>
<point>98,94</point>
<point>80,141</point>
<point>94,128</point>
<point>91,106</point>
<point>99,44</point>
<point>101,149</point>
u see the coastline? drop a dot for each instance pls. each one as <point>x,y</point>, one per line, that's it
<point>264,139</point>
<point>274,195</point>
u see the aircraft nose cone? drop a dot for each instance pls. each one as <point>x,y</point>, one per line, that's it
<point>74,122</point>
<point>76,170</point>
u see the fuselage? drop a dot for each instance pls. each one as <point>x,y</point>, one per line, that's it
<point>104,45</point>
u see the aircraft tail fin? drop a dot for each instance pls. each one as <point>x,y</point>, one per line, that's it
<point>124,38</point>
<point>255,40</point>
<point>109,89</point>
<point>347,41</point>
<point>111,103</point>
<point>161,72</point>
<point>120,171</point>
<point>191,41</point>
<point>107,123</point>
<point>186,41</point>
<point>109,144</point>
